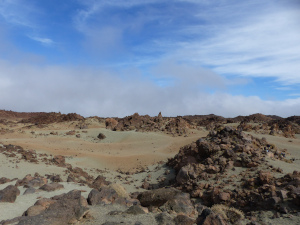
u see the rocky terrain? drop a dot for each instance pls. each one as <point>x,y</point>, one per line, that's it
<point>67,169</point>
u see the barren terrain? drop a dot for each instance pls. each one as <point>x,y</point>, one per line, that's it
<point>161,155</point>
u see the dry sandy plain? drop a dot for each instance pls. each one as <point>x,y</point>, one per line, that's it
<point>120,151</point>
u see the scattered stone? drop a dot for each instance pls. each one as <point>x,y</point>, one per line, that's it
<point>101,136</point>
<point>52,187</point>
<point>9,194</point>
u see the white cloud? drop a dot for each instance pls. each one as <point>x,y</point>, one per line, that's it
<point>102,93</point>
<point>43,41</point>
<point>262,45</point>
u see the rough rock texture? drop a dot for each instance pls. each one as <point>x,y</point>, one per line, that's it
<point>157,197</point>
<point>47,118</point>
<point>66,209</point>
<point>175,126</point>
<point>201,165</point>
<point>180,204</point>
<point>9,194</point>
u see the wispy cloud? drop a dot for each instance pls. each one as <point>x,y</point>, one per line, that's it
<point>245,38</point>
<point>265,44</point>
<point>43,41</point>
<point>15,12</point>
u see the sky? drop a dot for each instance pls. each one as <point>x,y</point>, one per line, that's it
<point>179,57</point>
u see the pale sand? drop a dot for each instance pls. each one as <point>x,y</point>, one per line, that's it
<point>120,150</point>
<point>293,147</point>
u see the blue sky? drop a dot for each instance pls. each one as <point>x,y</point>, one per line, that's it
<point>115,58</point>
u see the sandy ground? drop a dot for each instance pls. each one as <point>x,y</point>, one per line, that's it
<point>119,150</point>
<point>293,147</point>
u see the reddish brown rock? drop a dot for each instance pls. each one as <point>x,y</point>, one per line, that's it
<point>111,123</point>
<point>4,180</point>
<point>59,160</point>
<point>99,182</point>
<point>52,187</point>
<point>67,209</point>
<point>9,194</point>
<point>265,177</point>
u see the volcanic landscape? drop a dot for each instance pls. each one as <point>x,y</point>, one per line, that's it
<point>197,169</point>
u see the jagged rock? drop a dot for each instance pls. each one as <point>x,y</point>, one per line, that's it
<point>99,182</point>
<point>25,180</point>
<point>9,194</point>
<point>67,209</point>
<point>157,197</point>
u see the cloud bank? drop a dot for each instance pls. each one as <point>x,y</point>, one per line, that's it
<point>103,93</point>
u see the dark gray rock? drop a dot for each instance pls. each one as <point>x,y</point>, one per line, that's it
<point>164,219</point>
<point>29,190</point>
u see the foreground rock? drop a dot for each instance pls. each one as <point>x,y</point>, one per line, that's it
<point>9,194</point>
<point>63,209</point>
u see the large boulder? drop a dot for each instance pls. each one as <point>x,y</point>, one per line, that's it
<point>104,195</point>
<point>180,204</point>
<point>67,209</point>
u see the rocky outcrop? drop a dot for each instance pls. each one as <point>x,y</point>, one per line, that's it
<point>47,118</point>
<point>175,126</point>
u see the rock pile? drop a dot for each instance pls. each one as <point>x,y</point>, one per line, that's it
<point>175,126</point>
<point>205,169</point>
<point>47,118</point>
